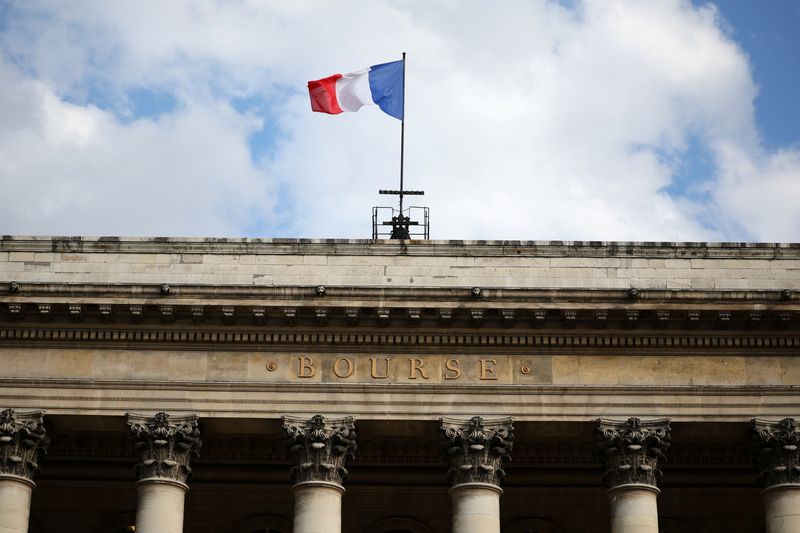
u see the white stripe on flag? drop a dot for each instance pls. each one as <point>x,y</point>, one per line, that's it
<point>352,90</point>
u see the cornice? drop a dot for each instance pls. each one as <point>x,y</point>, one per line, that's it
<point>555,342</point>
<point>453,248</point>
<point>11,291</point>
<point>348,307</point>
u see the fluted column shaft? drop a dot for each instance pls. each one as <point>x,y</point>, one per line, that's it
<point>476,450</point>
<point>630,451</point>
<point>22,439</point>
<point>775,447</point>
<point>320,449</point>
<point>166,447</point>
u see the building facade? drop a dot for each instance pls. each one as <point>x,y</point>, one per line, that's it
<point>270,386</point>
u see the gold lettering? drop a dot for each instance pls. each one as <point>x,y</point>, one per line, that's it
<point>349,365</point>
<point>416,366</point>
<point>452,370</point>
<point>373,364</point>
<point>306,369</point>
<point>488,369</point>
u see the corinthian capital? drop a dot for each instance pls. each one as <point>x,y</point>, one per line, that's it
<point>477,449</point>
<point>165,445</point>
<point>630,450</point>
<point>22,438</point>
<point>774,447</point>
<point>320,447</point>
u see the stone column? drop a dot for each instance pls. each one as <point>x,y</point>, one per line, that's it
<point>165,446</point>
<point>22,438</point>
<point>320,449</point>
<point>630,452</point>
<point>476,451</point>
<point>775,452</point>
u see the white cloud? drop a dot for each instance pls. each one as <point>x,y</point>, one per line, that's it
<point>69,169</point>
<point>525,119</point>
<point>758,197</point>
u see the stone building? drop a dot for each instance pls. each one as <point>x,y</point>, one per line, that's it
<point>265,386</point>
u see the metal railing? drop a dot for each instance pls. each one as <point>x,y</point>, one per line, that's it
<point>390,223</point>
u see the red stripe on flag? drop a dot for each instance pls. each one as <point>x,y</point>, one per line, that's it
<point>323,95</point>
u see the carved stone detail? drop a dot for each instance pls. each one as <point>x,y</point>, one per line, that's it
<point>352,315</point>
<point>45,312</point>
<point>775,448</point>
<point>198,314</point>
<point>477,449</point>
<point>259,315</point>
<point>320,447</point>
<point>22,438</point>
<point>383,314</point>
<point>165,445</point>
<point>630,450</point>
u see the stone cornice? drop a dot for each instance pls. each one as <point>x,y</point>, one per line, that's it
<point>547,341</point>
<point>411,247</point>
<point>400,307</point>
<point>343,296</point>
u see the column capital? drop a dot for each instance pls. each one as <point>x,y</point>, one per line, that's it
<point>320,447</point>
<point>775,448</point>
<point>165,445</point>
<point>630,450</point>
<point>22,438</point>
<point>477,449</point>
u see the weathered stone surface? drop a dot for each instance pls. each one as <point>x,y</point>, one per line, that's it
<point>477,449</point>
<point>320,447</point>
<point>775,447</point>
<point>630,450</point>
<point>294,262</point>
<point>165,445</point>
<point>23,439</point>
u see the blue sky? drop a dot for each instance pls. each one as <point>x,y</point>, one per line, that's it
<point>664,120</point>
<point>769,33</point>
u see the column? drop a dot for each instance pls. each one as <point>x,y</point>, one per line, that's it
<point>476,451</point>
<point>22,438</point>
<point>630,451</point>
<point>165,446</point>
<point>774,448</point>
<point>320,449</point>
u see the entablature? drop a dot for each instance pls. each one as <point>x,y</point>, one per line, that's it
<point>401,307</point>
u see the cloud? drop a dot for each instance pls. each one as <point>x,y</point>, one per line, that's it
<point>533,120</point>
<point>757,196</point>
<point>71,169</point>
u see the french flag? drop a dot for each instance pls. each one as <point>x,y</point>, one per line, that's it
<point>380,85</point>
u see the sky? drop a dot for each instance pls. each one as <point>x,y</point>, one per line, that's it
<point>645,120</point>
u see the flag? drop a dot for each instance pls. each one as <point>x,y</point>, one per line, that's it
<point>381,85</point>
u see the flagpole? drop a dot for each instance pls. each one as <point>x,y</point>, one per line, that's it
<point>402,134</point>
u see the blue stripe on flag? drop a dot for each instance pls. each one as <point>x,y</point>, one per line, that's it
<point>386,85</point>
